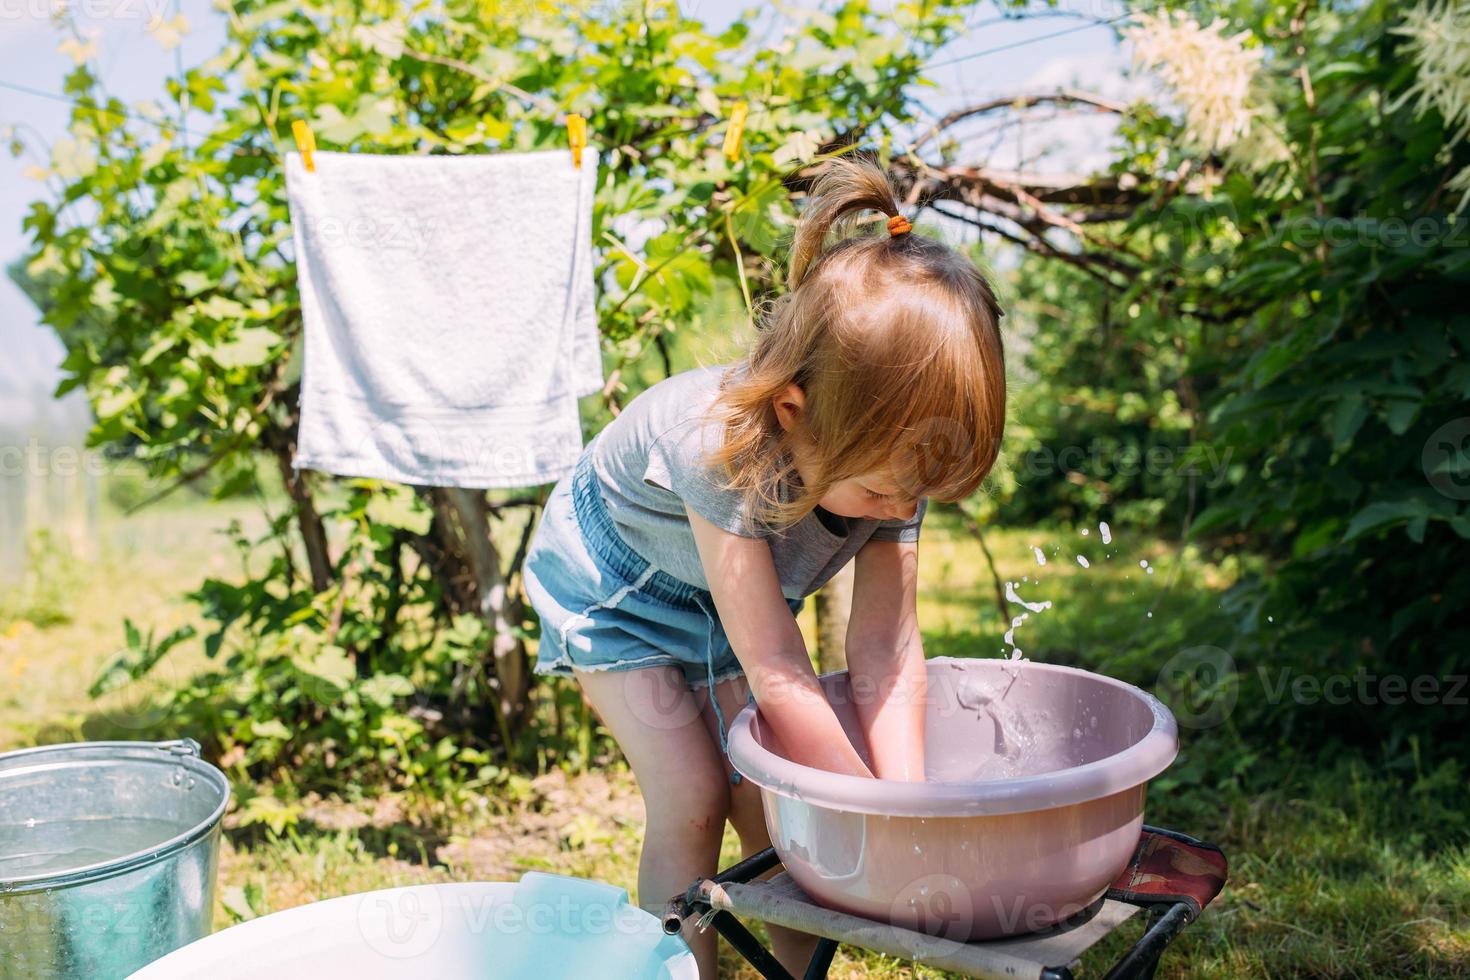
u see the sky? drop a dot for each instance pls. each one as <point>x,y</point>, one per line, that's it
<point>133,66</point>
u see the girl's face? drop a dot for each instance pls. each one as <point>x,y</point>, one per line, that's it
<point>874,496</point>
<point>870,496</point>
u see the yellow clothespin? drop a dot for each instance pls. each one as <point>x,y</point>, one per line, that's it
<point>577,137</point>
<point>737,128</point>
<point>305,142</point>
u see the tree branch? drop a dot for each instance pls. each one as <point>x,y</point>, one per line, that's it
<point>1062,97</point>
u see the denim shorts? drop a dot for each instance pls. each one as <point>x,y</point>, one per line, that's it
<point>603,606</point>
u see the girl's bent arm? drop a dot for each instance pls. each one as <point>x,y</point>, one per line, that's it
<point>885,658</point>
<point>768,644</point>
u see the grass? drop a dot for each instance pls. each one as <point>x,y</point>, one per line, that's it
<point>1341,866</point>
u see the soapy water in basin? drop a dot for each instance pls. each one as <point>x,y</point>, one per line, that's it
<point>1011,741</point>
<point>44,847</point>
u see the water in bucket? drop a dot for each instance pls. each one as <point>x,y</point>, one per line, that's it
<point>38,846</point>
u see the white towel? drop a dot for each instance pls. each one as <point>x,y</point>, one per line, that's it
<point>449,314</point>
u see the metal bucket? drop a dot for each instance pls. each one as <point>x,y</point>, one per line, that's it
<point>108,854</point>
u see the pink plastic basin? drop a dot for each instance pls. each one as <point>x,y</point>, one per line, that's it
<point>1033,801</point>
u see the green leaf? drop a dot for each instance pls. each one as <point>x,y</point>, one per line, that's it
<point>137,658</point>
<point>1315,537</point>
<point>1384,513</point>
<point>193,283</point>
<point>273,813</point>
<point>384,689</point>
<point>332,666</point>
<point>249,348</point>
<point>1399,415</point>
<point>400,507</point>
<point>799,147</point>
<point>1347,419</point>
<point>1213,518</point>
<point>221,308</point>
<point>274,728</point>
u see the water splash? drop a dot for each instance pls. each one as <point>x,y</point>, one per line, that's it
<point>1013,596</point>
<point>1031,607</point>
<point>1010,637</point>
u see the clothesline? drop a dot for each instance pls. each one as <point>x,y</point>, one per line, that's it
<point>244,148</point>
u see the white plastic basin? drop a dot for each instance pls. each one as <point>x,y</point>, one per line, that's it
<point>542,927</point>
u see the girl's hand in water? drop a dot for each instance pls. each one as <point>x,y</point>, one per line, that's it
<point>885,658</point>
<point>768,644</point>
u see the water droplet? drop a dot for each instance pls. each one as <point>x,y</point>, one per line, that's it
<point>1143,563</point>
<point>1150,614</point>
<point>1083,562</point>
<point>1040,558</point>
<point>1270,619</point>
<point>1084,532</point>
<point>1106,532</point>
<point>1150,570</point>
<point>1032,607</point>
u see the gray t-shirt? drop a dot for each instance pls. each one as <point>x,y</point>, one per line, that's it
<point>649,464</point>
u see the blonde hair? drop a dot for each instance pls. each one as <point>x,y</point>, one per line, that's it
<point>895,343</point>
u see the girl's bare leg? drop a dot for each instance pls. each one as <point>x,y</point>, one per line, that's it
<point>657,722</point>
<point>794,949</point>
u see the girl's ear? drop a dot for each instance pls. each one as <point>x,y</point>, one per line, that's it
<point>789,403</point>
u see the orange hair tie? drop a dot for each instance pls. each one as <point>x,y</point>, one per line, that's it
<point>899,225</point>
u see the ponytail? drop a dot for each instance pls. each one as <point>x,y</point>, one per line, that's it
<point>845,186</point>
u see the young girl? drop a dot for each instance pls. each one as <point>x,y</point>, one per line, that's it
<point>668,569</point>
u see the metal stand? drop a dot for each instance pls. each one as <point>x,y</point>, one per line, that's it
<point>1047,955</point>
